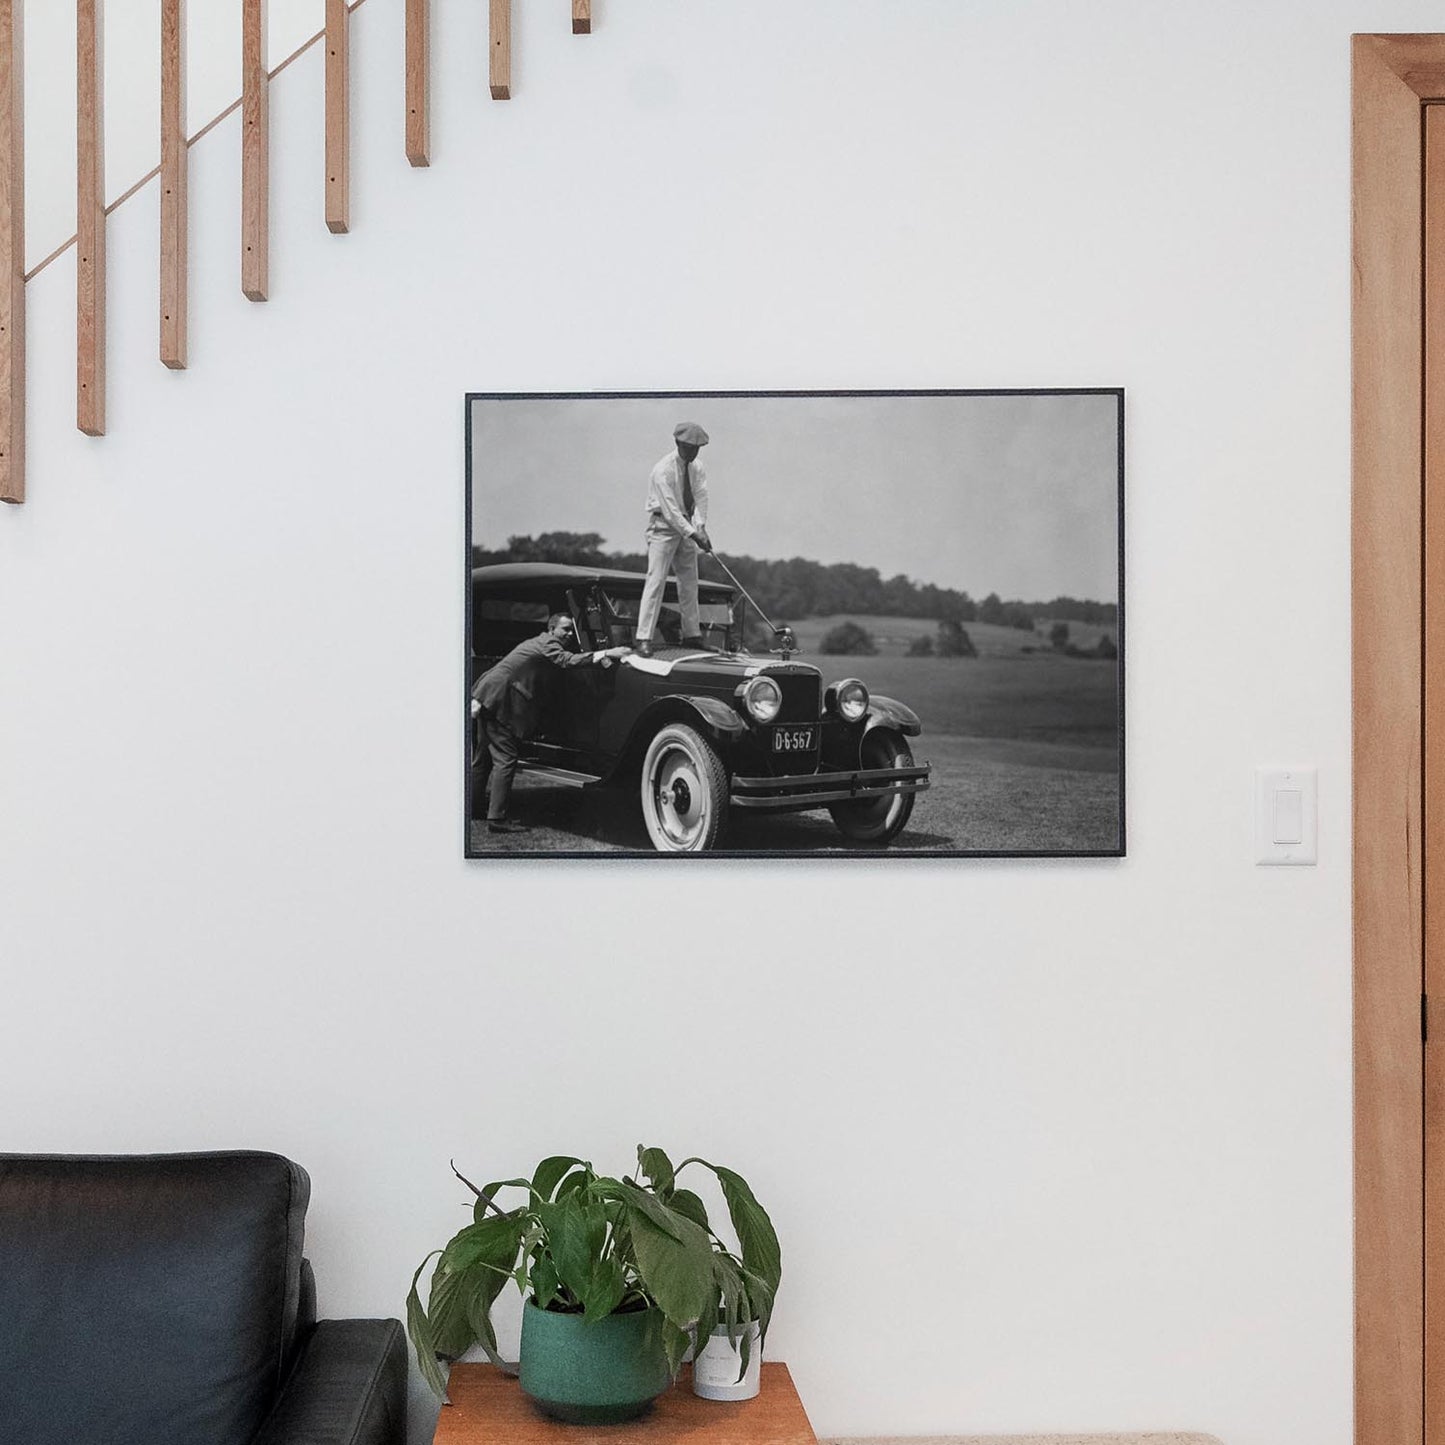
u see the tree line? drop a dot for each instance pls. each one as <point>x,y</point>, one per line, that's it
<point>787,589</point>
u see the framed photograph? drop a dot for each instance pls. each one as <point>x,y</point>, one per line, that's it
<point>785,624</point>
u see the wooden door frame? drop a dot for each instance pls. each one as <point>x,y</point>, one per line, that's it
<point>1392,77</point>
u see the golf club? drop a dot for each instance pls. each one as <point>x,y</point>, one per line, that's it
<point>790,642</point>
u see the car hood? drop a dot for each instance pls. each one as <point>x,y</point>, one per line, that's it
<point>681,663</point>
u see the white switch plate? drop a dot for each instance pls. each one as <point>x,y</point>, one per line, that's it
<point>1286,816</point>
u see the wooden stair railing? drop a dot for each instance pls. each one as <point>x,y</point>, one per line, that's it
<point>91,209</point>
<point>418,72</point>
<point>175,234</point>
<point>89,220</point>
<point>500,59</point>
<point>12,253</point>
<point>255,154</point>
<point>338,117</point>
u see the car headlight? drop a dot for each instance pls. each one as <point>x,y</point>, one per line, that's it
<point>763,698</point>
<point>850,697</point>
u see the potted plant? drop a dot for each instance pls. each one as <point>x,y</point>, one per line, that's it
<point>614,1273</point>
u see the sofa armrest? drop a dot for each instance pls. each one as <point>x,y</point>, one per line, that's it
<point>348,1388</point>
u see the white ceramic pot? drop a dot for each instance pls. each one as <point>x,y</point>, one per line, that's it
<point>716,1367</point>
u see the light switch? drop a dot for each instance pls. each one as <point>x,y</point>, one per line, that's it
<point>1289,816</point>
<point>1286,811</point>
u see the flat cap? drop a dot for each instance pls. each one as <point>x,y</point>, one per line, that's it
<point>689,432</point>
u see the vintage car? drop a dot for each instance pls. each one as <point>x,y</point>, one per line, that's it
<point>697,731</point>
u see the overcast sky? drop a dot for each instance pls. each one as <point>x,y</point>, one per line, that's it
<point>1010,494</point>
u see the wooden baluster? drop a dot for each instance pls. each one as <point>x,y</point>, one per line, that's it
<point>255,154</point>
<point>582,17</point>
<point>174,248</point>
<point>90,220</point>
<point>500,65</point>
<point>12,253</point>
<point>338,116</point>
<point>418,82</point>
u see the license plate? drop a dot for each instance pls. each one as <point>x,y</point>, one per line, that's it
<point>793,740</point>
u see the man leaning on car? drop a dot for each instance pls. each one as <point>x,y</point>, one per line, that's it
<point>676,529</point>
<point>507,700</point>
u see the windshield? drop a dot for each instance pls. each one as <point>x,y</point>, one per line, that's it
<point>715,619</point>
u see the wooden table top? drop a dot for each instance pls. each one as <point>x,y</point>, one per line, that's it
<point>489,1408</point>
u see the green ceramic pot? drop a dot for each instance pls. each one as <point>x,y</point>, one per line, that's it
<point>592,1374</point>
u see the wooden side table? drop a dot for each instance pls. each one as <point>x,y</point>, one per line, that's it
<point>489,1408</point>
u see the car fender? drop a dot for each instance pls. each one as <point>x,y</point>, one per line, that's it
<point>715,719</point>
<point>887,712</point>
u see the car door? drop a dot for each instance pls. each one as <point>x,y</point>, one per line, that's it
<point>577,696</point>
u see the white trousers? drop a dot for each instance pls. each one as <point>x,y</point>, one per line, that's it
<point>669,551</point>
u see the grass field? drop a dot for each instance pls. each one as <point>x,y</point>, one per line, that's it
<point>893,634</point>
<point>1041,697</point>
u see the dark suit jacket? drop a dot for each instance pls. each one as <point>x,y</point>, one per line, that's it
<point>512,692</point>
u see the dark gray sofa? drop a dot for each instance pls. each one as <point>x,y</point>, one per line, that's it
<point>164,1300</point>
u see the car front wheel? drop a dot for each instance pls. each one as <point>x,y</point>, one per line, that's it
<point>684,791</point>
<point>877,821</point>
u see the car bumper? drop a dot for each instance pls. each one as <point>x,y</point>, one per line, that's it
<point>816,790</point>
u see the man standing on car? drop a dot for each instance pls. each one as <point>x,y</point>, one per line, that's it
<point>507,699</point>
<point>676,529</point>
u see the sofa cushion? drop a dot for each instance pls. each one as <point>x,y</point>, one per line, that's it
<point>146,1299</point>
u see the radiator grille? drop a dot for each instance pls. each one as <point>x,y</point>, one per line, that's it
<point>802,700</point>
<point>802,695</point>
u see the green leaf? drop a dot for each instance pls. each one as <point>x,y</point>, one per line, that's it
<point>494,1239</point>
<point>760,1301</point>
<point>544,1281</point>
<point>576,1180</point>
<point>419,1328</point>
<point>595,1217</point>
<point>674,1343</point>
<point>734,1308</point>
<point>657,1168</point>
<point>550,1173</point>
<point>759,1241</point>
<point>460,1310</point>
<point>605,1289</point>
<point>687,1204</point>
<point>479,1312</point>
<point>484,1208</point>
<point>447,1311</point>
<point>676,1268</point>
<point>638,1199</point>
<point>469,1276</point>
<point>706,1324</point>
<point>569,1243</point>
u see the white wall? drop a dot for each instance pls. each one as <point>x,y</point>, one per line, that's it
<point>1048,1145</point>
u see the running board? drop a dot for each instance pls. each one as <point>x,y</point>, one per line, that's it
<point>565,776</point>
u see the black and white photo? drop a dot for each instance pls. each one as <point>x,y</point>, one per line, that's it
<point>795,623</point>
